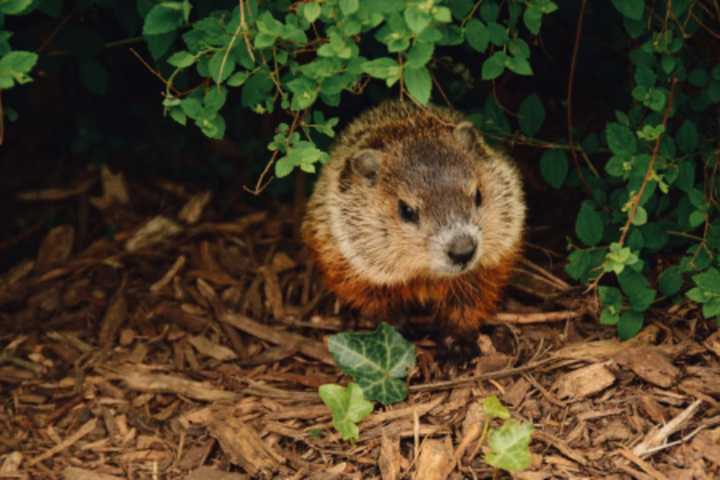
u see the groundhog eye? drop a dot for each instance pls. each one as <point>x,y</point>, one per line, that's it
<point>409,215</point>
<point>478,198</point>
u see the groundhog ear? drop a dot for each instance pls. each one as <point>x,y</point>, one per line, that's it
<point>367,164</point>
<point>468,137</point>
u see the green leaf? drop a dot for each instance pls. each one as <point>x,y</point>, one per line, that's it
<point>687,137</point>
<point>712,308</point>
<point>698,77</point>
<point>670,281</point>
<point>348,407</point>
<point>163,18</point>
<point>554,167</point>
<point>256,89</point>
<point>221,66</point>
<point>708,280</point>
<point>418,83</point>
<point>609,316</point>
<point>610,296</point>
<point>640,217</point>
<point>620,139</point>
<point>531,115</point>
<point>477,35</point>
<point>311,11</point>
<point>237,79</point>
<point>160,44</point>
<point>519,65</point>
<point>383,68</point>
<point>498,34</point>
<point>416,19</point>
<point>348,7</point>
<point>181,59</point>
<point>493,408</point>
<point>14,7</point>
<point>215,98</point>
<point>305,92</point>
<point>532,18</point>
<point>494,66</point>
<point>589,225</point>
<point>582,263</point>
<point>632,9</point>
<point>636,287</point>
<point>419,55</point>
<point>509,446</point>
<point>630,324</point>
<point>379,361</point>
<point>16,65</point>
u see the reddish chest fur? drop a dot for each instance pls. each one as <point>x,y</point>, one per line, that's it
<point>462,303</point>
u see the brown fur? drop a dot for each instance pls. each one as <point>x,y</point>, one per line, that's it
<point>462,302</point>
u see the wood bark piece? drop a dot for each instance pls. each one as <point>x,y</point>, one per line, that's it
<point>389,460</point>
<point>435,460</point>
<point>244,446</point>
<point>154,231</point>
<point>311,348</point>
<point>115,316</point>
<point>651,365</point>
<point>656,437</point>
<point>212,349</point>
<point>115,191</point>
<point>67,443</point>
<point>193,209</point>
<point>11,464</point>
<point>137,378</point>
<point>75,473</point>
<point>55,248</point>
<point>584,382</point>
<point>209,473</point>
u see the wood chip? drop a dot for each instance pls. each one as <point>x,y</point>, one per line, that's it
<point>193,209</point>
<point>209,473</point>
<point>650,364</point>
<point>114,318</point>
<point>659,435</point>
<point>435,460</point>
<point>76,473</point>
<point>55,248</point>
<point>138,378</point>
<point>389,460</point>
<point>211,349</point>
<point>67,443</point>
<point>115,191</point>
<point>584,382</point>
<point>243,445</point>
<point>154,231</point>
<point>11,464</point>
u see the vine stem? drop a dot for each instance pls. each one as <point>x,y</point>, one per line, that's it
<point>571,82</point>
<point>635,200</point>
<point>261,184</point>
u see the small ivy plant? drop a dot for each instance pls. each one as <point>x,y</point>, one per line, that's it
<point>379,362</point>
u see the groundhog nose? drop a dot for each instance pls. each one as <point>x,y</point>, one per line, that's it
<point>461,249</point>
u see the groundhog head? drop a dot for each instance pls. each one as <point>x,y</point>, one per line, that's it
<point>433,203</point>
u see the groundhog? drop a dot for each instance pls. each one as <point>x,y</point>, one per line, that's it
<point>413,209</point>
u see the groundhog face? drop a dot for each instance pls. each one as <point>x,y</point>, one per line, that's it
<point>428,206</point>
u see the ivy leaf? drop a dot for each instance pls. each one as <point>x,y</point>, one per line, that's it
<point>509,446</point>
<point>630,324</point>
<point>493,408</point>
<point>163,18</point>
<point>477,35</point>
<point>589,225</point>
<point>379,361</point>
<point>418,83</point>
<point>494,66</point>
<point>554,167</point>
<point>632,9</point>
<point>531,115</point>
<point>348,407</point>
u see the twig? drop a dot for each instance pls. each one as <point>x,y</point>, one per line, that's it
<point>658,436</point>
<point>246,34</point>
<point>571,82</point>
<point>152,70</point>
<point>259,186</point>
<point>635,200</point>
<point>538,317</point>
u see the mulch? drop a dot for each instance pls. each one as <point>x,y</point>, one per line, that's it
<point>183,346</point>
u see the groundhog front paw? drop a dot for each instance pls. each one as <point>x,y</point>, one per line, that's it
<point>458,350</point>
